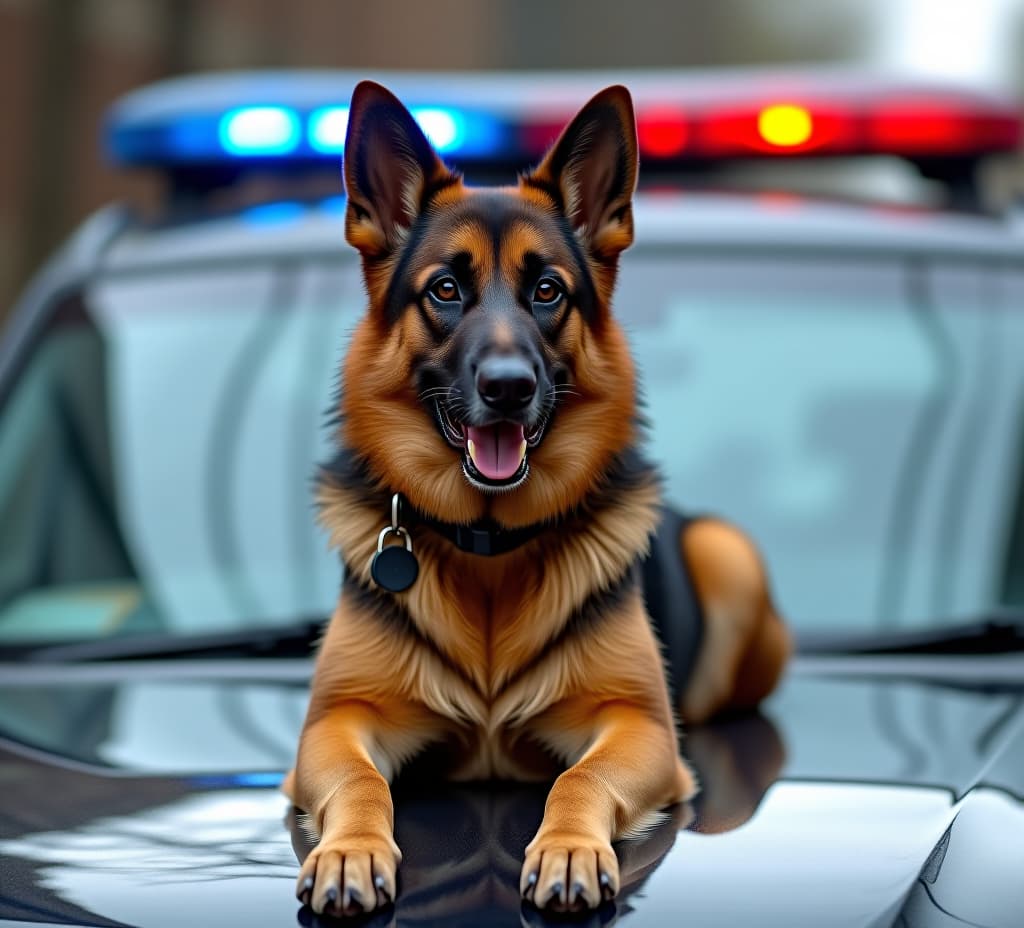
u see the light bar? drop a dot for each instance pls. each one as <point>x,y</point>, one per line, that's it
<point>924,126</point>
<point>509,120</point>
<point>326,129</point>
<point>662,133</point>
<point>785,125</point>
<point>327,126</point>
<point>442,127</point>
<point>260,131</point>
<point>272,132</point>
<point>777,128</point>
<point>919,128</point>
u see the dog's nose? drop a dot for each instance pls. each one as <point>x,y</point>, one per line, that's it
<point>506,384</point>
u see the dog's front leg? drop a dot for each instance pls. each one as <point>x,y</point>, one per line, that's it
<point>631,769</point>
<point>348,800</point>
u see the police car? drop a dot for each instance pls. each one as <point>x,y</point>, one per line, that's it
<point>839,375</point>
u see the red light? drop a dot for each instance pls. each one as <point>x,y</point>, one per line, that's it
<point>538,137</point>
<point>934,127</point>
<point>661,133</point>
<point>909,123</point>
<point>739,132</point>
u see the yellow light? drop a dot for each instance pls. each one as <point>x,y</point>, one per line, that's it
<point>784,125</point>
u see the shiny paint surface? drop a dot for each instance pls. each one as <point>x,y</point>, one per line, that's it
<point>867,793</point>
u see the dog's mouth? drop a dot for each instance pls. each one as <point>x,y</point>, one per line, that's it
<point>494,456</point>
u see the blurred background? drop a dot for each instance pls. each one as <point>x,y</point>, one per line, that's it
<point>63,62</point>
<point>830,345</point>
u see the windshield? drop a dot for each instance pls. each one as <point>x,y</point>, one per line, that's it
<point>862,418</point>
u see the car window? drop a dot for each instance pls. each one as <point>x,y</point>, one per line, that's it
<point>218,465</point>
<point>860,418</point>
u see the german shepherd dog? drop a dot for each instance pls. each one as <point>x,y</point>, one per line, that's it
<point>488,421</point>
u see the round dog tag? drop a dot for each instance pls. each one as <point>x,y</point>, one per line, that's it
<point>394,568</point>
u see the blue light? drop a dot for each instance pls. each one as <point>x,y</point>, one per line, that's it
<point>250,780</point>
<point>260,131</point>
<point>444,128</point>
<point>274,214</point>
<point>334,206</point>
<point>476,135</point>
<point>259,780</point>
<point>197,133</point>
<point>327,126</point>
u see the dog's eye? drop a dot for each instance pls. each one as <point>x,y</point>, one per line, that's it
<point>548,291</point>
<point>446,290</point>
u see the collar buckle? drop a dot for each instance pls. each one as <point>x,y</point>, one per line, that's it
<point>475,540</point>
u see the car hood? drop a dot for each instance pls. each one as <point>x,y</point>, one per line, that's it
<point>865,793</point>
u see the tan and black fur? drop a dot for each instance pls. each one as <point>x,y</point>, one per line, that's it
<point>541,661</point>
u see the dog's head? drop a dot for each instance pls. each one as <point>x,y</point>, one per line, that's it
<point>488,376</point>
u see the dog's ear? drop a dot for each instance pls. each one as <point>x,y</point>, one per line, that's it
<point>591,170</point>
<point>390,168</point>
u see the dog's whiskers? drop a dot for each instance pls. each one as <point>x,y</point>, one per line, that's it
<point>450,399</point>
<point>436,392</point>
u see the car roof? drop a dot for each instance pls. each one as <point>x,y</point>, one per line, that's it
<point>687,221</point>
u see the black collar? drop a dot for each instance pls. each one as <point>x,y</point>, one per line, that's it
<point>486,538</point>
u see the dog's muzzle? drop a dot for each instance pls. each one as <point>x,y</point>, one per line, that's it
<point>494,455</point>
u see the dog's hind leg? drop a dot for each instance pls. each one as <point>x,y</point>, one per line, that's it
<point>745,644</point>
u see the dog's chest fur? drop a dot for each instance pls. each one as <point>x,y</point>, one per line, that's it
<point>497,679</point>
<point>483,654</point>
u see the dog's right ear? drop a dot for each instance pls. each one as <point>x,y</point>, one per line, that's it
<point>390,169</point>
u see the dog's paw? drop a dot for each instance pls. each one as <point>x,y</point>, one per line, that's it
<point>349,876</point>
<point>569,873</point>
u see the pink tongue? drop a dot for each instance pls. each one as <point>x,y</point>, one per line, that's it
<point>496,449</point>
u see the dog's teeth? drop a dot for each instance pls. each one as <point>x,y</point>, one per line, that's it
<point>471,448</point>
<point>522,451</point>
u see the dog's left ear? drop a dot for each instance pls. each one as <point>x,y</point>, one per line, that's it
<point>592,170</point>
<point>390,169</point>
